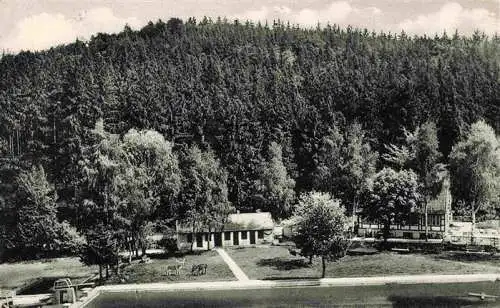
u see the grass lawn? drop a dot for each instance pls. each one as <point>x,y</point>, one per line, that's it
<point>276,262</point>
<point>479,258</point>
<point>14,275</point>
<point>155,271</point>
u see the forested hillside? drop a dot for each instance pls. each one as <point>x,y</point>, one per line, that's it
<point>239,90</point>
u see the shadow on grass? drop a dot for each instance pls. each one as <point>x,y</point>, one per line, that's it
<point>43,284</point>
<point>362,251</point>
<point>432,301</point>
<point>176,254</point>
<point>468,257</point>
<point>283,264</point>
<point>142,276</point>
<point>311,280</point>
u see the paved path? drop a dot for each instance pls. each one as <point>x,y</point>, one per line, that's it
<point>238,273</point>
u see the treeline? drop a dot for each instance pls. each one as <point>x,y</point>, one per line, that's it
<point>269,104</point>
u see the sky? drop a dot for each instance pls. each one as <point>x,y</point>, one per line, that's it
<point>40,24</point>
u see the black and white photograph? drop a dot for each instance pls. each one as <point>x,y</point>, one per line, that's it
<point>249,153</point>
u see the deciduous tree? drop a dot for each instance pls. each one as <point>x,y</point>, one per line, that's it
<point>37,225</point>
<point>149,174</point>
<point>204,191</point>
<point>321,227</point>
<point>393,195</point>
<point>475,170</point>
<point>275,185</point>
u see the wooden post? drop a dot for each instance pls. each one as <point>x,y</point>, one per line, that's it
<point>323,263</point>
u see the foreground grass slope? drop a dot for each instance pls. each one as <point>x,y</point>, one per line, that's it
<point>258,263</point>
<point>277,263</point>
<point>156,270</point>
<point>14,275</point>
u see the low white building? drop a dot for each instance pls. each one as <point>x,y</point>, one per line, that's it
<point>243,229</point>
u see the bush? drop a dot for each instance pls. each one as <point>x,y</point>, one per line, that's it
<point>169,244</point>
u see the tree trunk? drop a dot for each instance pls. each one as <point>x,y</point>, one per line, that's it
<point>310,259</point>
<point>107,271</point>
<point>473,225</point>
<point>386,232</point>
<point>54,129</point>
<point>18,144</point>
<point>100,271</point>
<point>354,208</point>
<point>11,149</point>
<point>209,238</point>
<point>323,263</point>
<point>117,262</point>
<point>193,238</point>
<point>130,252</point>
<point>426,219</point>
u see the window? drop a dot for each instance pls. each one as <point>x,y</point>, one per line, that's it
<point>190,238</point>
<point>260,234</point>
<point>244,235</point>
<point>227,236</point>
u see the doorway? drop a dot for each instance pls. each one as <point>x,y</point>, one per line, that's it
<point>236,238</point>
<point>252,237</point>
<point>218,239</point>
<point>199,240</point>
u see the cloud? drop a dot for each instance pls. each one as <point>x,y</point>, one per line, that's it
<point>41,31</point>
<point>336,12</point>
<point>103,20</point>
<point>254,15</point>
<point>375,10</point>
<point>450,17</point>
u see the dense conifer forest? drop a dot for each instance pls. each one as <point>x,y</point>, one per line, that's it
<point>253,101</point>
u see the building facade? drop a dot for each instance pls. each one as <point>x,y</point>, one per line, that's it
<point>244,229</point>
<point>439,218</point>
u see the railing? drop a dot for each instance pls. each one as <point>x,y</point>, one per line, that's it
<point>393,227</point>
<point>395,240</point>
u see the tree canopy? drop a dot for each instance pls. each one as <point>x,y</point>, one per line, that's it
<point>237,87</point>
<point>475,170</point>
<point>392,197</point>
<point>275,187</point>
<point>290,109</point>
<point>321,227</point>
